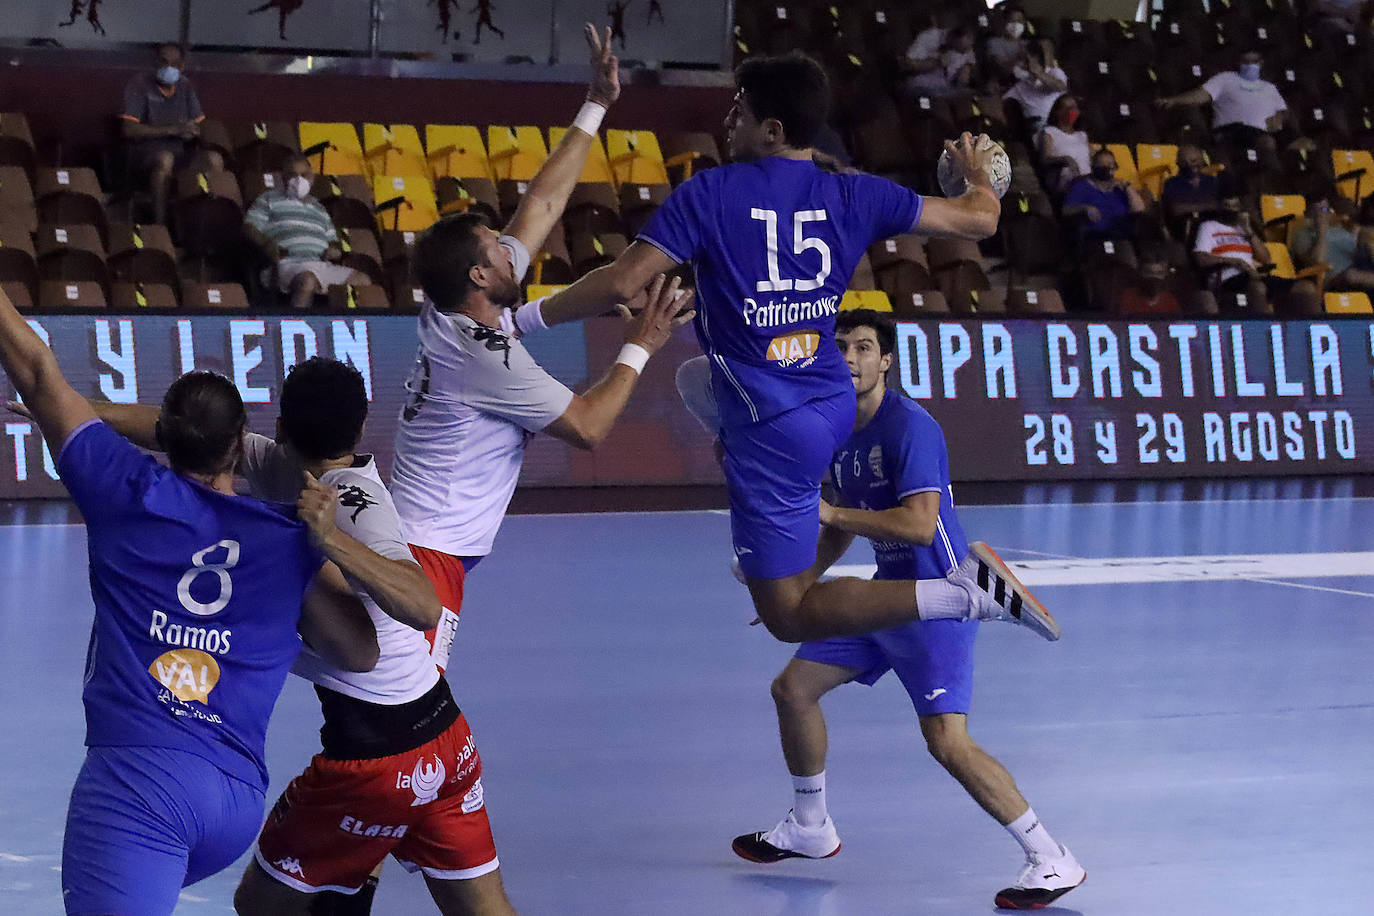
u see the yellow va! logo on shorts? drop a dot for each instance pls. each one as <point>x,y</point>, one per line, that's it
<point>189,674</point>
<point>794,347</point>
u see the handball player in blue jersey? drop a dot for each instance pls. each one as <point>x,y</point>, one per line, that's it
<point>773,240</point>
<point>891,480</point>
<point>199,597</point>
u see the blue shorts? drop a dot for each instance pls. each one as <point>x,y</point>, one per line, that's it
<point>145,822</point>
<point>933,660</point>
<point>773,472</point>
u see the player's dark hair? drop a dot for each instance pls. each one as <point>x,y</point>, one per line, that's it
<point>445,253</point>
<point>881,324</point>
<point>201,423</point>
<point>323,408</point>
<point>792,88</point>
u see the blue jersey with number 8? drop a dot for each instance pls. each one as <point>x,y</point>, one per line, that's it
<point>774,243</point>
<point>197,603</point>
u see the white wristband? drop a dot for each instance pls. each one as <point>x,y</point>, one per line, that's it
<point>634,356</point>
<point>530,317</point>
<point>588,120</point>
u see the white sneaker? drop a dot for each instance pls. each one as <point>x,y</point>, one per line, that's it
<point>789,840</point>
<point>997,594</point>
<point>1042,882</point>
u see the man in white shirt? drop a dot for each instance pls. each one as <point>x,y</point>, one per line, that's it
<point>1247,111</point>
<point>476,396</point>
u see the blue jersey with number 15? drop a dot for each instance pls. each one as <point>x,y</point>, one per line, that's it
<point>774,243</point>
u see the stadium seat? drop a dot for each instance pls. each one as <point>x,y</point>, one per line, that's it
<point>1283,269</point>
<point>515,153</point>
<point>539,290</point>
<point>987,300</point>
<point>348,298</point>
<point>685,154</point>
<point>395,149</point>
<point>333,148</point>
<point>1281,214</point>
<point>131,296</point>
<point>252,184</point>
<point>56,295</point>
<point>635,157</point>
<point>920,304</point>
<point>404,203</point>
<point>141,254</point>
<point>361,251</point>
<point>898,249</point>
<point>207,216</point>
<point>1125,163</point>
<point>593,207</point>
<point>597,169</point>
<point>862,278</point>
<point>552,263</point>
<point>69,196</point>
<point>1033,244</point>
<point>1035,302</point>
<point>16,198</point>
<point>457,151</point>
<point>881,146</point>
<point>590,251</point>
<point>961,284</point>
<point>865,299</point>
<point>638,202</point>
<point>263,146</point>
<point>1354,172</point>
<point>18,265</point>
<point>948,252</point>
<point>459,195</point>
<point>214,297</point>
<point>16,142</point>
<point>71,254</point>
<point>1156,163</point>
<point>1348,304</point>
<point>349,200</point>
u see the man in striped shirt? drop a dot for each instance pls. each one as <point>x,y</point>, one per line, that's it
<point>296,234</point>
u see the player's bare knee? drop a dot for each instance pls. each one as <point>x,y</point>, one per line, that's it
<point>790,692</point>
<point>947,738</point>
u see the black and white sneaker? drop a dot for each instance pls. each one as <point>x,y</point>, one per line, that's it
<point>997,594</point>
<point>1042,882</point>
<point>789,840</point>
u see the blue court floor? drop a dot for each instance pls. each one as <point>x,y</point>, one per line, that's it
<point>1202,738</point>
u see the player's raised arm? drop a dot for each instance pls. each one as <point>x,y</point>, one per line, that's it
<point>32,369</point>
<point>606,287</point>
<point>547,194</point>
<point>973,214</point>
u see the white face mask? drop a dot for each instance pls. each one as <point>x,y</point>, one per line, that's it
<point>1016,29</point>
<point>298,186</point>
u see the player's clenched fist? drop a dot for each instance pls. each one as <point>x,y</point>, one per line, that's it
<point>666,307</point>
<point>316,506</point>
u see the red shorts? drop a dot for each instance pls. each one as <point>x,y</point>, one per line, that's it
<point>340,818</point>
<point>446,573</point>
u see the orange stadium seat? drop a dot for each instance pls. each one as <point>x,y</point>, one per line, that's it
<point>333,147</point>
<point>395,149</point>
<point>457,150</point>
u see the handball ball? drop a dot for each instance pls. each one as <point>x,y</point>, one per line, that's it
<point>999,170</point>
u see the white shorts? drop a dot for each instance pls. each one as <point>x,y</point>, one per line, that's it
<point>288,269</point>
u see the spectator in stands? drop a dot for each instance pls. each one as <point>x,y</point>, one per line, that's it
<point>1247,111</point>
<point>924,63</point>
<point>1063,146</point>
<point>1007,51</point>
<point>1331,237</point>
<point>1192,191</point>
<point>1104,206</point>
<point>1231,250</point>
<point>959,61</point>
<point>294,231</point>
<point>1039,81</point>
<point>162,117</point>
<point>1148,292</point>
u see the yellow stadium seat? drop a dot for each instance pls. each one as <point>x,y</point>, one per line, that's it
<point>535,290</point>
<point>1156,162</point>
<point>598,167</point>
<point>336,148</point>
<point>404,202</point>
<point>516,153</point>
<point>1348,304</point>
<point>394,149</point>
<point>1282,259</point>
<point>636,157</point>
<point>1281,214</point>
<point>874,299</point>
<point>457,151</point>
<point>1354,171</point>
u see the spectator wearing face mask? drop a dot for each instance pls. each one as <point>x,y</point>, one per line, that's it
<point>1039,81</point>
<point>1105,205</point>
<point>1008,50</point>
<point>1229,241</point>
<point>161,125</point>
<point>1247,111</point>
<point>1331,237</point>
<point>1148,293</point>
<point>1063,146</point>
<point>294,231</point>
<point>1192,191</point>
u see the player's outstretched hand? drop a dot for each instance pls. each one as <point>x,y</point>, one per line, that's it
<point>605,85</point>
<point>19,409</point>
<point>317,506</point>
<point>666,308</point>
<point>969,157</point>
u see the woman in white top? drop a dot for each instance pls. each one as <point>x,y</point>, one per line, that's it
<point>1039,81</point>
<point>1063,147</point>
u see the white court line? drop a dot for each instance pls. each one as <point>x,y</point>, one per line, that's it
<point>1316,588</point>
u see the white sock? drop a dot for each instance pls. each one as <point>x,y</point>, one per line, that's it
<point>808,799</point>
<point>940,599</point>
<point>1033,837</point>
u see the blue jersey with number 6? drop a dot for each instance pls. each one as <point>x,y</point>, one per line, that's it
<point>774,243</point>
<point>197,602</point>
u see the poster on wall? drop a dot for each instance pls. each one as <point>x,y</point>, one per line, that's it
<point>477,30</point>
<point>90,23</point>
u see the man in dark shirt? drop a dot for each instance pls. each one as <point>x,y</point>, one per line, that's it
<point>1192,191</point>
<point>162,117</point>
